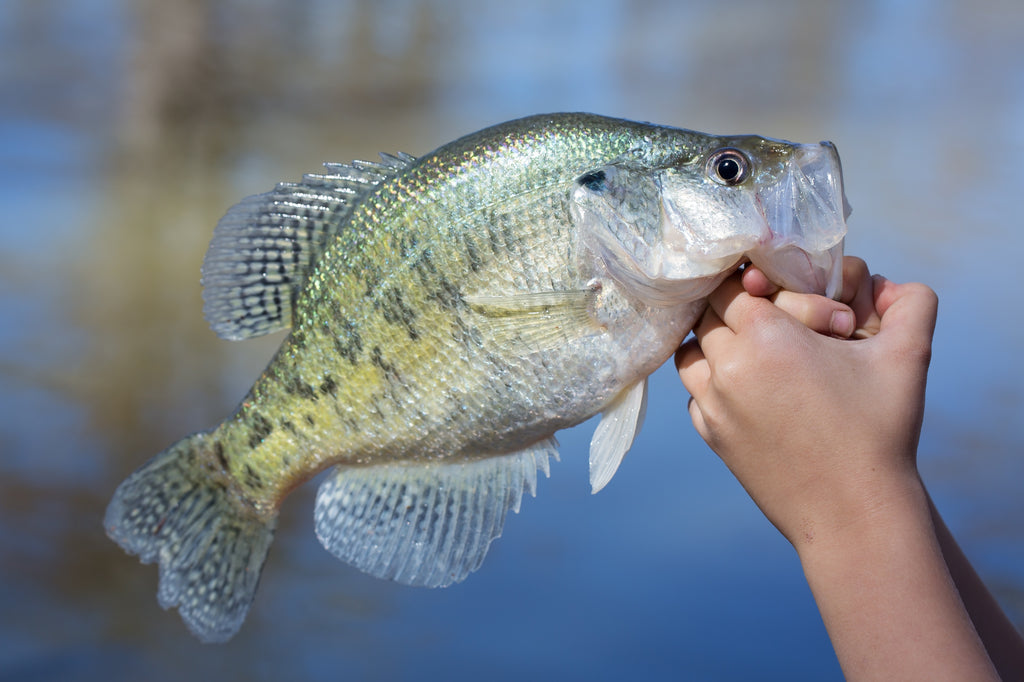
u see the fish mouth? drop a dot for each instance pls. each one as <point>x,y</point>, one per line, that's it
<point>805,212</point>
<point>789,220</point>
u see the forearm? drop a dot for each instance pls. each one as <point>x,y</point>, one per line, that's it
<point>1004,644</point>
<point>887,599</point>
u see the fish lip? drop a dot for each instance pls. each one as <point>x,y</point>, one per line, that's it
<point>791,225</point>
<point>801,211</point>
<point>801,271</point>
<point>807,205</point>
<point>805,214</point>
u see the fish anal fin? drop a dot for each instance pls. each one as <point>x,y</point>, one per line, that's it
<point>427,525</point>
<point>620,424</point>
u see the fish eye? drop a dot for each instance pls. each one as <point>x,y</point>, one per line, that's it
<point>728,166</point>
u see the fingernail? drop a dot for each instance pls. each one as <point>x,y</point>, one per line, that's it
<point>842,323</point>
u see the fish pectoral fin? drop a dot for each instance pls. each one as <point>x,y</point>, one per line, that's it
<point>265,246</point>
<point>538,320</point>
<point>427,525</point>
<point>620,424</point>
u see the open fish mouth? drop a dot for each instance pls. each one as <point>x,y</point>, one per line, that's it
<point>806,213</point>
<point>789,220</point>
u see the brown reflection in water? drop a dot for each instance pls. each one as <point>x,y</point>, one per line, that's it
<point>219,98</point>
<point>207,85</point>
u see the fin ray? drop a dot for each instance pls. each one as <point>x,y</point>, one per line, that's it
<point>265,246</point>
<point>424,524</point>
<point>210,548</point>
<point>620,425</point>
<point>536,320</point>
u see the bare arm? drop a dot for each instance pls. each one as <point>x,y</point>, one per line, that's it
<point>1004,644</point>
<point>822,432</point>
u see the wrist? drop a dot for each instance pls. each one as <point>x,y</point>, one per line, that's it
<point>885,592</point>
<point>871,510</point>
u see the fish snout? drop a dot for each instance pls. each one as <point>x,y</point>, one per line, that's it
<point>806,212</point>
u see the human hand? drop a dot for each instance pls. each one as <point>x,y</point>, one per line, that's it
<point>821,431</point>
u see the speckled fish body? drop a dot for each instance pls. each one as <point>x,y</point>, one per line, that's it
<point>448,315</point>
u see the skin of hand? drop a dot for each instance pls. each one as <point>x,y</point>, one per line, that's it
<point>811,425</point>
<point>816,407</point>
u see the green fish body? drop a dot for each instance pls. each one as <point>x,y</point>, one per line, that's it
<point>448,315</point>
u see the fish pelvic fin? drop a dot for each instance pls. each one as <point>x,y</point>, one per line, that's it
<point>426,525</point>
<point>620,425</point>
<point>210,545</point>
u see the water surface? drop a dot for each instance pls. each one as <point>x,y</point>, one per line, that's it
<point>126,129</point>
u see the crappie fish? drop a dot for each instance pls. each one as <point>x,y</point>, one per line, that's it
<point>448,314</point>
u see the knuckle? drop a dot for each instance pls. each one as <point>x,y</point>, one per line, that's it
<point>925,293</point>
<point>854,268</point>
<point>914,352</point>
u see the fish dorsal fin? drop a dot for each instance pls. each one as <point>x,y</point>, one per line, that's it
<point>429,524</point>
<point>265,246</point>
<point>536,320</point>
<point>614,436</point>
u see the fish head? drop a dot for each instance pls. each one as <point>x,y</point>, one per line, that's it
<point>670,230</point>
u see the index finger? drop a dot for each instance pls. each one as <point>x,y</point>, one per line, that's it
<point>735,307</point>
<point>858,292</point>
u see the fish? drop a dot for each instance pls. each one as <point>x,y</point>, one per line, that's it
<point>447,314</point>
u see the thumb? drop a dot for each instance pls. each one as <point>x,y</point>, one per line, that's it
<point>908,314</point>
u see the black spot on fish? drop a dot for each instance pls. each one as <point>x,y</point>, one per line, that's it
<point>261,428</point>
<point>347,341</point>
<point>472,255</point>
<point>445,293</point>
<point>218,452</point>
<point>594,180</point>
<point>289,426</point>
<point>308,418</point>
<point>347,419</point>
<point>396,311</point>
<point>416,256</point>
<point>329,386</point>
<point>513,243</point>
<point>497,244</point>
<point>298,339</point>
<point>408,247</point>
<point>377,358</point>
<point>425,262</point>
<point>300,388</point>
<point>252,479</point>
<point>372,281</point>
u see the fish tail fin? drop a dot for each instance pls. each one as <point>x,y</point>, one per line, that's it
<point>209,543</point>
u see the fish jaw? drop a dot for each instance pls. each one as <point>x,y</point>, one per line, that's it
<point>806,214</point>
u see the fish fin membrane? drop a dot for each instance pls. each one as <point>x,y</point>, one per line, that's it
<point>209,545</point>
<point>265,246</point>
<point>427,525</point>
<point>535,321</point>
<point>620,425</point>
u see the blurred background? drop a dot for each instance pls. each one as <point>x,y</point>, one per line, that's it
<point>127,128</point>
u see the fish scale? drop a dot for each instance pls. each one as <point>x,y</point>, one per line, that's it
<point>447,315</point>
<point>367,387</point>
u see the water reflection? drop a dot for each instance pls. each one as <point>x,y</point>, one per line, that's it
<point>126,130</point>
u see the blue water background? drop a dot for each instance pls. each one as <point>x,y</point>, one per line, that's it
<point>127,128</point>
